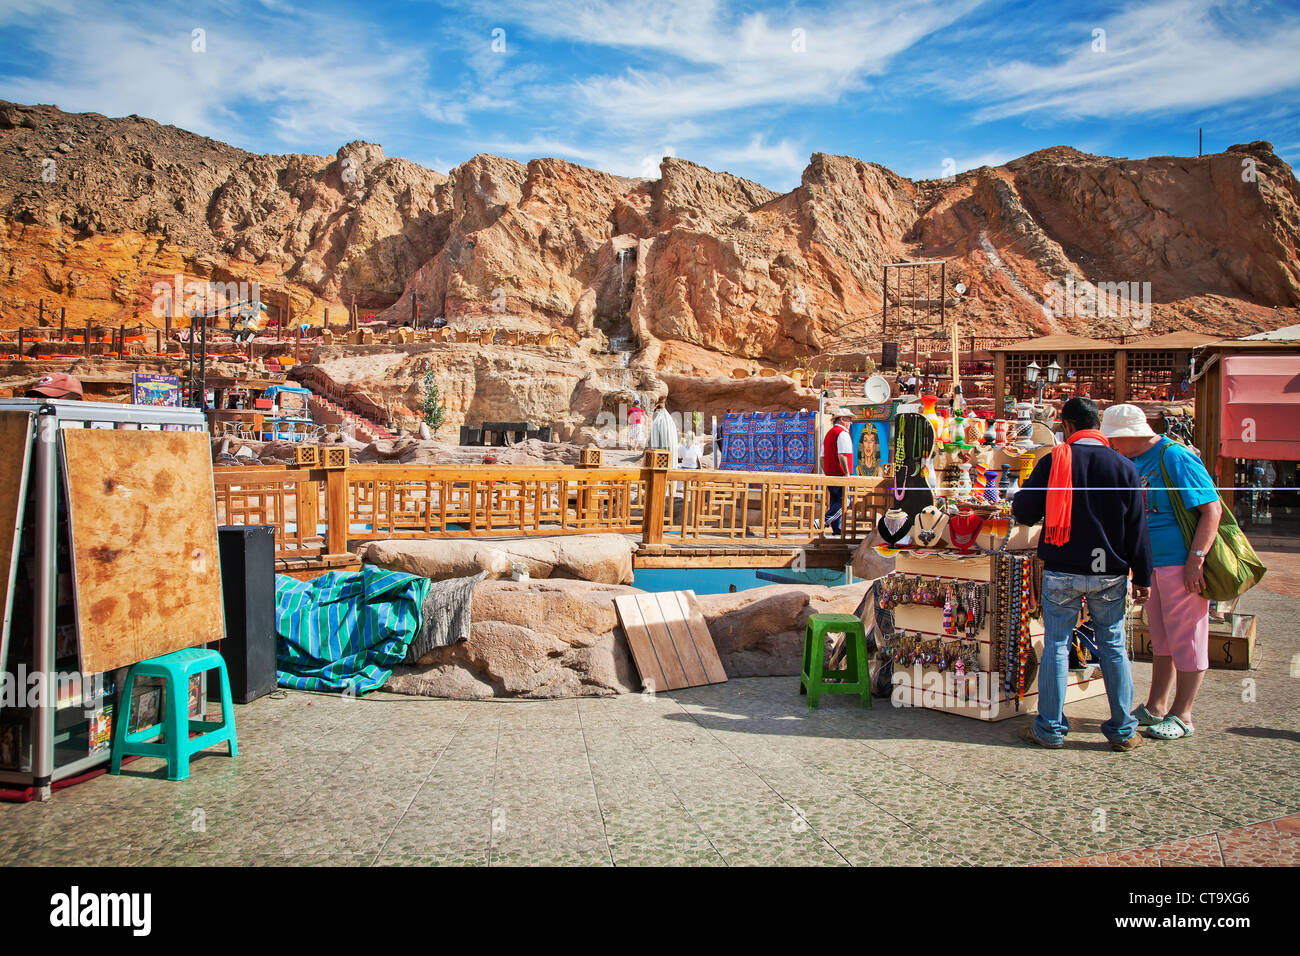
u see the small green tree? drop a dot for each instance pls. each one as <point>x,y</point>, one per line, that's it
<point>434,412</point>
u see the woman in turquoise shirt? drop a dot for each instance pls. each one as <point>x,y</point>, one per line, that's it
<point>1177,616</point>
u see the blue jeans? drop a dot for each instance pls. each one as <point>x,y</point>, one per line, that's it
<point>1062,594</point>
<point>834,507</point>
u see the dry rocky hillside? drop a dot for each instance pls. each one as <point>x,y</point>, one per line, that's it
<point>704,270</point>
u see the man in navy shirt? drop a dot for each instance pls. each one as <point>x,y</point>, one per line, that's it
<point>1094,534</point>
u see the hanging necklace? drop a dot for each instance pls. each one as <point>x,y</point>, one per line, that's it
<point>894,525</point>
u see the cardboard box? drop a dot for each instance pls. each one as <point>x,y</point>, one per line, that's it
<point>1232,642</point>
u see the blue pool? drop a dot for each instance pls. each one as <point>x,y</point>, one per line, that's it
<point>720,580</point>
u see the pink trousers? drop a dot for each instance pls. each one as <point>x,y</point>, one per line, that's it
<point>1179,622</point>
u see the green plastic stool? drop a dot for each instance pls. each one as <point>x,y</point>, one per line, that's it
<point>177,745</point>
<point>856,677</point>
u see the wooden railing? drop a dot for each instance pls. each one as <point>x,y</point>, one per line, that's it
<point>706,505</point>
<point>420,501</point>
<point>317,512</point>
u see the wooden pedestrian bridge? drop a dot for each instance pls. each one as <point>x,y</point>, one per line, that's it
<point>680,518</point>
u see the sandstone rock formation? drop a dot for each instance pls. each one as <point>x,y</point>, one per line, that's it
<point>561,638</point>
<point>599,558</point>
<point>697,256</point>
<point>551,638</point>
<point>760,632</point>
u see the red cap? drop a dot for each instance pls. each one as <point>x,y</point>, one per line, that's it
<point>58,385</point>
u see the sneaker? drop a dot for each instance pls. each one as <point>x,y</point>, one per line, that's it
<point>1132,742</point>
<point>817,524</point>
<point>1031,736</point>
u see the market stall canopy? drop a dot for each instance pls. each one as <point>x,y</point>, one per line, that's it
<point>1261,407</point>
<point>1056,343</point>
<point>1170,341</point>
<point>1290,333</point>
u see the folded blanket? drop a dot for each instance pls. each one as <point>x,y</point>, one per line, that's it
<point>344,631</point>
<point>445,615</point>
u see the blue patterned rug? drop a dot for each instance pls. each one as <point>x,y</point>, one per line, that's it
<point>780,441</point>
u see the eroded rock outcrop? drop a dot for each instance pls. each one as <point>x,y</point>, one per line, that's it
<point>552,638</point>
<point>696,256</point>
<point>599,558</point>
<point>562,638</point>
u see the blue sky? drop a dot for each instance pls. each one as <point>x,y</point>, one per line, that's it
<point>754,89</point>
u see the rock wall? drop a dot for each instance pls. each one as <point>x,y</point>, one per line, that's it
<point>697,256</point>
<point>561,638</point>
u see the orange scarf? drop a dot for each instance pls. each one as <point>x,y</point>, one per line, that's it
<point>1060,487</point>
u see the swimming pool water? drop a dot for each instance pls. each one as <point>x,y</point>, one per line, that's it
<point>720,580</point>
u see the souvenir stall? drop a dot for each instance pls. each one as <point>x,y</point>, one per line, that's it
<point>961,616</point>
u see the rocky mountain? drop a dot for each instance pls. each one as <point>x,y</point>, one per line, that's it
<point>702,267</point>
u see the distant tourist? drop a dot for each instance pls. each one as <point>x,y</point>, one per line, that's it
<point>663,430</point>
<point>59,385</point>
<point>1094,534</point>
<point>837,459</point>
<point>689,451</point>
<point>636,427</point>
<point>1177,616</point>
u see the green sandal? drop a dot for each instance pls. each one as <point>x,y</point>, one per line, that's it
<point>1144,717</point>
<point>1171,728</point>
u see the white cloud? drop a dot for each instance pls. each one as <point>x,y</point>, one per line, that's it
<point>711,60</point>
<point>1159,57</point>
<point>101,59</point>
<point>783,156</point>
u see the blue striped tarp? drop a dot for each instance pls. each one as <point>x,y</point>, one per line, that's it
<point>344,630</point>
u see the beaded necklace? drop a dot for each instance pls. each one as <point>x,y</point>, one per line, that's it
<point>1024,629</point>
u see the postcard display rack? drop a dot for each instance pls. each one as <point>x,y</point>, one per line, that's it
<point>64,729</point>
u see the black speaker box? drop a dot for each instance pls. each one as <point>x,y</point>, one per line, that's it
<point>248,590</point>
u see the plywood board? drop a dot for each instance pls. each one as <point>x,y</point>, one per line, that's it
<point>143,523</point>
<point>670,644</point>
<point>15,440</point>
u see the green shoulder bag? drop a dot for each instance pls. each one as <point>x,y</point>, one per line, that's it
<point>1231,565</point>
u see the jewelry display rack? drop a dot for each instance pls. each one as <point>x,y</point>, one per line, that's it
<point>982,697</point>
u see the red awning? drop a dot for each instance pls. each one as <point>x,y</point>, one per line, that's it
<point>1261,407</point>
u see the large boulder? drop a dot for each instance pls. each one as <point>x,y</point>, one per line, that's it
<point>601,558</point>
<point>544,638</point>
<point>760,632</point>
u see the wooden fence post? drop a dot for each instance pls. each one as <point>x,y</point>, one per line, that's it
<point>655,474</point>
<point>87,342</point>
<point>336,511</point>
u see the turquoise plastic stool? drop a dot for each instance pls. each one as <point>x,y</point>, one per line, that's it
<point>177,745</point>
<point>855,678</point>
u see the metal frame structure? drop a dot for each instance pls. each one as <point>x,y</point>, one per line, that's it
<point>52,416</point>
<point>913,269</point>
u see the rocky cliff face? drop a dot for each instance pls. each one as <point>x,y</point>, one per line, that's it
<point>696,260</point>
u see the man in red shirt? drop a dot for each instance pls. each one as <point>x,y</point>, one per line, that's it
<point>837,459</point>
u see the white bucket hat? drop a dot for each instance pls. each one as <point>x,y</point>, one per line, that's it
<point>1125,421</point>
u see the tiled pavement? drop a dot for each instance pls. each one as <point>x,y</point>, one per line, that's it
<point>739,773</point>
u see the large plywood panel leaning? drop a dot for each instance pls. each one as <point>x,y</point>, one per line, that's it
<point>143,524</point>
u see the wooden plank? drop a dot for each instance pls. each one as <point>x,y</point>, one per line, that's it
<point>700,637</point>
<point>665,650</point>
<point>147,578</point>
<point>639,642</point>
<point>16,439</point>
<point>674,617</point>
